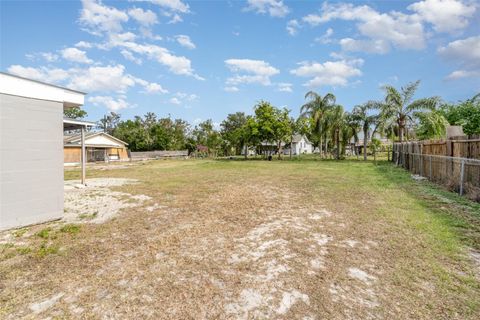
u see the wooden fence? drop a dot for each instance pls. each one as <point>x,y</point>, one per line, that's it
<point>461,148</point>
<point>147,155</point>
<point>452,163</point>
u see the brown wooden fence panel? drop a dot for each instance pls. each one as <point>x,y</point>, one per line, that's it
<point>145,155</point>
<point>452,163</point>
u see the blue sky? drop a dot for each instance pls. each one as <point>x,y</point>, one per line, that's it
<point>204,59</point>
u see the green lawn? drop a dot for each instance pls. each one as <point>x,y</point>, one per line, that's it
<point>257,239</point>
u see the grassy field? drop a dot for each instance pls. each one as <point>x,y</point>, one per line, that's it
<point>302,239</point>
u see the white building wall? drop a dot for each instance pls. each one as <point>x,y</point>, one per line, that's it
<point>31,161</point>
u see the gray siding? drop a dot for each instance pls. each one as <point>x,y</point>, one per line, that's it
<point>31,161</point>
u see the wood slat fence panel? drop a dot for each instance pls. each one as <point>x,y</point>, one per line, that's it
<point>452,163</point>
<point>146,155</point>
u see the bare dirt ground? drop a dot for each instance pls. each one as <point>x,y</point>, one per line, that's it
<point>239,241</point>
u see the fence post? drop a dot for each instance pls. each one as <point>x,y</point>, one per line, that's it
<point>462,169</point>
<point>421,164</point>
<point>430,167</point>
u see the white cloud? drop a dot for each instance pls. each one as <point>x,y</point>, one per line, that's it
<point>110,103</point>
<point>460,74</point>
<point>150,87</point>
<point>146,18</point>
<point>49,75</point>
<point>231,89</point>
<point>117,39</point>
<point>47,56</point>
<point>98,19</point>
<point>175,100</point>
<point>91,79</point>
<point>102,78</point>
<point>292,27</point>
<point>444,15</point>
<point>395,28</point>
<point>107,21</point>
<point>177,64</point>
<point>284,87</point>
<point>257,71</point>
<point>83,44</point>
<point>333,73</point>
<point>129,56</point>
<point>75,55</point>
<point>172,5</point>
<point>185,41</point>
<point>186,97</point>
<point>275,8</point>
<point>176,18</point>
<point>465,53</point>
<point>369,46</point>
<point>326,37</point>
<point>182,98</point>
<point>154,88</point>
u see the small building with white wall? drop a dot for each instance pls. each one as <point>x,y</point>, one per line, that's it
<point>31,149</point>
<point>299,145</point>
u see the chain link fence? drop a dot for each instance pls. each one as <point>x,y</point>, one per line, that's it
<point>458,174</point>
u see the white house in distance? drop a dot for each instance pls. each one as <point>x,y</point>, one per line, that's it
<point>31,149</point>
<point>300,145</point>
<point>100,146</point>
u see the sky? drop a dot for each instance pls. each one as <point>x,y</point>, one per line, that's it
<point>199,60</point>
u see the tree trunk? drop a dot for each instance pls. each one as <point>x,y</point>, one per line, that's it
<point>337,136</point>
<point>246,151</point>
<point>321,146</point>
<point>291,145</point>
<point>279,148</point>
<point>401,129</point>
<point>365,141</point>
<point>326,147</point>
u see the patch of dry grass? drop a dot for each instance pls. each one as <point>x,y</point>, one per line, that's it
<point>255,239</point>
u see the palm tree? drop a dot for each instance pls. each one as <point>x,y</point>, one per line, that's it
<point>335,119</point>
<point>431,125</point>
<point>401,106</point>
<point>316,109</point>
<point>349,130</point>
<point>362,115</point>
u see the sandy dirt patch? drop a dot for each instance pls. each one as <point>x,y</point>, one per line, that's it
<point>96,202</point>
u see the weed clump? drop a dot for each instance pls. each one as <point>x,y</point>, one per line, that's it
<point>70,228</point>
<point>44,233</point>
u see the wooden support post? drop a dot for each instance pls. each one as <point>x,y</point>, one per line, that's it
<point>84,155</point>
<point>430,167</point>
<point>421,164</point>
<point>462,171</point>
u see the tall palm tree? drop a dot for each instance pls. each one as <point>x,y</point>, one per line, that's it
<point>316,109</point>
<point>335,119</point>
<point>401,106</point>
<point>362,115</point>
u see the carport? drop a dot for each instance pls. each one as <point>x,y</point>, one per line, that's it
<point>73,124</point>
